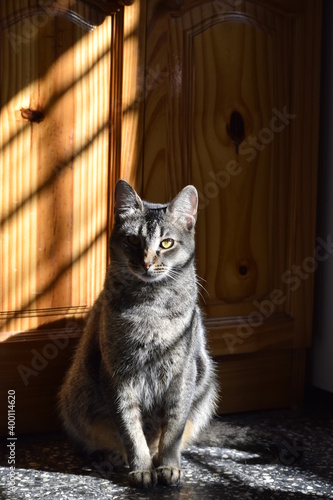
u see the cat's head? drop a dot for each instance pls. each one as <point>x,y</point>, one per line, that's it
<point>153,241</point>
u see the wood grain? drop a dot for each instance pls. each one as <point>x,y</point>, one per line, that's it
<point>219,61</point>
<point>133,94</point>
<point>55,173</point>
<point>244,388</point>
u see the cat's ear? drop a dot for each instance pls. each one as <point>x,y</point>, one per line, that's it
<point>185,206</point>
<point>126,199</point>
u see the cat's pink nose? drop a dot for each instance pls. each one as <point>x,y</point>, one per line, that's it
<point>147,264</point>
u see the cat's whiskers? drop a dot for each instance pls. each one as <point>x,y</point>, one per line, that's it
<point>174,274</point>
<point>173,278</point>
<point>202,287</point>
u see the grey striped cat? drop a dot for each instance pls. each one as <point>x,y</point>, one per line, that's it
<point>142,383</point>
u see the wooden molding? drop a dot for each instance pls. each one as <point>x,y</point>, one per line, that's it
<point>47,311</point>
<point>86,13</point>
<point>286,8</point>
<point>71,328</point>
<point>108,6</point>
<point>230,336</point>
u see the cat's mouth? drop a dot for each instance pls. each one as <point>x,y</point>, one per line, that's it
<point>153,273</point>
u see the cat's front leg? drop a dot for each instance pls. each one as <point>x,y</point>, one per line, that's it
<point>143,474</point>
<point>175,426</point>
<point>169,470</point>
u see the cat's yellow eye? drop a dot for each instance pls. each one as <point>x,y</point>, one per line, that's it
<point>134,240</point>
<point>167,243</point>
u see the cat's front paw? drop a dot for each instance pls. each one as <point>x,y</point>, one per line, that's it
<point>142,478</point>
<point>169,476</point>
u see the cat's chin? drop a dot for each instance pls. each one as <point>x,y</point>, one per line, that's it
<point>151,278</point>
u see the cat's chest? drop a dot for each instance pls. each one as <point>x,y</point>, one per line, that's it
<point>151,359</point>
<point>152,350</point>
<point>152,382</point>
<point>157,332</point>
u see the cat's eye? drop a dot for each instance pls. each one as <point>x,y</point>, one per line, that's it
<point>167,243</point>
<point>133,240</point>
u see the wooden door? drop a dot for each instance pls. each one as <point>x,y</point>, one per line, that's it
<point>61,67</point>
<point>232,107</point>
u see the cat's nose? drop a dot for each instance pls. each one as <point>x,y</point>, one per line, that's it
<point>147,264</point>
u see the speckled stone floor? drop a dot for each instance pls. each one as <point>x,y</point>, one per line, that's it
<point>263,455</point>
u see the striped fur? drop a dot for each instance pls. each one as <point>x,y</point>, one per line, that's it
<point>141,383</point>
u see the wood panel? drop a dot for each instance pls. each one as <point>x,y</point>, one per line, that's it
<point>227,113</point>
<point>214,85</point>
<point>244,388</point>
<point>54,172</point>
<point>35,376</point>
